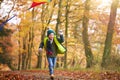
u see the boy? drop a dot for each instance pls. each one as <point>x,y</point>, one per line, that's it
<point>52,45</point>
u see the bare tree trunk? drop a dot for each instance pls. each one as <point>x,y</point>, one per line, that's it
<point>19,62</point>
<point>58,16</point>
<point>32,36</point>
<point>19,54</point>
<point>39,62</point>
<point>66,33</point>
<point>30,45</point>
<point>39,56</point>
<point>109,36</point>
<point>24,54</point>
<point>28,61</point>
<point>88,52</point>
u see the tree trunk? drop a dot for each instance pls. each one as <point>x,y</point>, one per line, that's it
<point>19,62</point>
<point>39,56</point>
<point>24,54</point>
<point>30,45</point>
<point>32,36</point>
<point>9,63</point>
<point>66,33</point>
<point>19,54</point>
<point>109,36</point>
<point>39,62</point>
<point>87,47</point>
<point>28,61</point>
<point>58,16</point>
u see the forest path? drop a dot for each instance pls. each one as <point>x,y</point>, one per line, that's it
<point>59,75</point>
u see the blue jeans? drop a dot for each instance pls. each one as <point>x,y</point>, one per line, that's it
<point>52,63</point>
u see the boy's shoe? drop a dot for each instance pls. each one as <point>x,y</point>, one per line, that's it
<point>52,77</point>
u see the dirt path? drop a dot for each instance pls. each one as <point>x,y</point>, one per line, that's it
<point>29,75</point>
<point>59,75</point>
<point>44,76</point>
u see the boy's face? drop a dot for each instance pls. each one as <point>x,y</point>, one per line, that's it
<point>51,36</point>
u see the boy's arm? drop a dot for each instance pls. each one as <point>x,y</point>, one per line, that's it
<point>61,39</point>
<point>41,46</point>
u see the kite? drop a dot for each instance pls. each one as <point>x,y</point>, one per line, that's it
<point>38,2</point>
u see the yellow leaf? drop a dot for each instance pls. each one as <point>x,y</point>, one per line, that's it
<point>1,51</point>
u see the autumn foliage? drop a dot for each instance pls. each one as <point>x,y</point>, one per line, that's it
<point>85,27</point>
<point>6,46</point>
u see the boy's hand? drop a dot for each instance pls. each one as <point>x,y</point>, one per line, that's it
<point>60,32</point>
<point>40,50</point>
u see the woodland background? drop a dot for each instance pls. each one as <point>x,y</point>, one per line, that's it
<point>91,30</point>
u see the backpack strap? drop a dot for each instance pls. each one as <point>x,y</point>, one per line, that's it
<point>61,48</point>
<point>45,41</point>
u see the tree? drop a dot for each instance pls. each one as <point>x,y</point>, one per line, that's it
<point>30,44</point>
<point>25,41</point>
<point>87,47</point>
<point>66,32</point>
<point>58,16</point>
<point>44,28</point>
<point>6,48</point>
<point>6,44</point>
<point>109,36</point>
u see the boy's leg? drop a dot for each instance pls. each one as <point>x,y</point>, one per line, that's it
<point>54,61</point>
<point>50,65</point>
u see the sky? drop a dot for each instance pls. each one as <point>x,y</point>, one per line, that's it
<point>6,6</point>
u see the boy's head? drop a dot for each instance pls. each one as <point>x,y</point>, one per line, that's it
<point>50,34</point>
